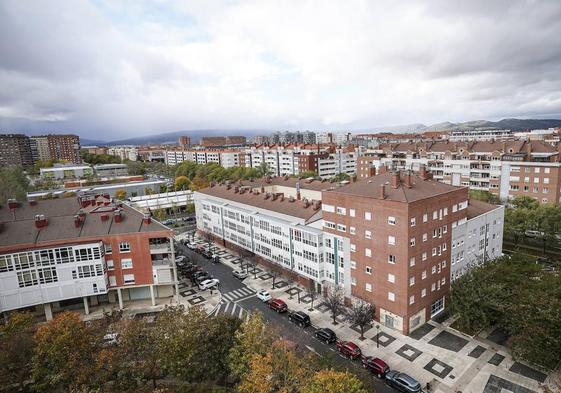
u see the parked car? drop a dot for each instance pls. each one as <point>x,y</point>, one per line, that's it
<point>348,349</point>
<point>326,335</point>
<point>278,305</point>
<point>206,284</point>
<point>180,259</point>
<point>263,295</point>
<point>239,274</point>
<point>403,382</point>
<point>207,254</point>
<point>376,365</point>
<point>300,318</point>
<point>168,222</point>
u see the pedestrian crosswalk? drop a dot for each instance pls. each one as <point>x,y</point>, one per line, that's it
<point>237,294</point>
<point>233,309</point>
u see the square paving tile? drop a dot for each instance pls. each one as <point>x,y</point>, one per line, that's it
<point>498,385</point>
<point>256,271</point>
<point>477,351</point>
<point>384,339</point>
<point>228,257</point>
<point>293,291</point>
<point>281,284</point>
<point>265,276</point>
<point>528,372</point>
<point>307,299</point>
<point>236,261</point>
<point>438,368</point>
<point>449,341</point>
<point>221,253</point>
<point>322,307</point>
<point>187,292</point>
<point>496,359</point>
<point>421,331</point>
<point>182,285</point>
<point>408,352</point>
<point>196,300</point>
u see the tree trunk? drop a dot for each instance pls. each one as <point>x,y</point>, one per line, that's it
<point>362,332</point>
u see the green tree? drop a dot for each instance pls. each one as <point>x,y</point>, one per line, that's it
<point>546,221</point>
<point>190,208</point>
<point>517,222</point>
<point>524,202</point>
<point>484,196</point>
<point>136,168</point>
<point>264,170</point>
<point>341,177</point>
<point>308,174</point>
<point>181,183</point>
<point>331,381</point>
<point>64,354</point>
<point>14,184</point>
<point>121,194</point>
<point>16,349</point>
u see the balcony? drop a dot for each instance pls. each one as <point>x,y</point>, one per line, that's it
<point>160,246</point>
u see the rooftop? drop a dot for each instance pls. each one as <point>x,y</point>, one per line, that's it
<point>277,203</point>
<point>421,187</point>
<point>18,224</point>
<point>476,208</point>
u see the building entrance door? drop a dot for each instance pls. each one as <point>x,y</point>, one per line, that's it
<point>389,321</point>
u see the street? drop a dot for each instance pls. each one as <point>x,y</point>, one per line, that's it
<point>240,299</point>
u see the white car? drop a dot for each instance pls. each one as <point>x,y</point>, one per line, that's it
<point>180,259</point>
<point>110,339</point>
<point>206,284</point>
<point>264,296</point>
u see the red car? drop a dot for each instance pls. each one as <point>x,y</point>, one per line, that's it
<point>278,305</point>
<point>348,349</point>
<point>376,365</point>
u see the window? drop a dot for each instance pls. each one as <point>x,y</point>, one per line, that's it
<point>424,292</point>
<point>425,237</point>
<point>329,224</point>
<point>537,170</point>
<point>108,248</point>
<point>110,264</point>
<point>341,210</point>
<point>128,279</point>
<point>27,278</point>
<point>433,287</point>
<point>434,270</point>
<point>391,296</point>
<point>434,251</point>
<point>126,263</point>
<point>391,240</point>
<point>391,259</point>
<point>413,222</point>
<point>368,270</point>
<point>411,281</point>
<point>412,242</point>
<point>367,216</point>
<point>454,208</point>
<point>353,280</point>
<point>424,256</point>
<point>124,247</point>
<point>352,230</point>
<point>436,307</point>
<point>112,281</point>
<point>536,180</point>
<point>391,278</point>
<point>352,212</point>
<point>411,299</point>
<point>546,170</point>
<point>412,261</point>
<point>435,215</point>
<point>367,252</point>
<point>391,220</point>
<point>6,263</point>
<point>425,217</point>
<point>368,287</point>
<point>47,275</point>
<point>341,228</point>
<point>423,275</point>
<point>353,264</point>
<point>353,247</point>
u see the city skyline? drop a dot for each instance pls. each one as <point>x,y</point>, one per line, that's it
<point>142,68</point>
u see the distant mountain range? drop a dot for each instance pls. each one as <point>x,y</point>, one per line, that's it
<point>172,137</point>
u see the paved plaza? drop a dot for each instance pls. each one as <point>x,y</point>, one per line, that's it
<point>449,360</point>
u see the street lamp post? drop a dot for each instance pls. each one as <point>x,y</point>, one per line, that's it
<point>377,336</point>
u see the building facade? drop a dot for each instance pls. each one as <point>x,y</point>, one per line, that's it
<point>64,148</point>
<point>90,251</point>
<point>15,149</point>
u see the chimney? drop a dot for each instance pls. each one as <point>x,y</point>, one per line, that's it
<point>383,169</point>
<point>291,199</point>
<point>236,189</point>
<point>117,216</point>
<point>353,178</point>
<point>262,189</point>
<point>32,202</point>
<point>306,203</point>
<point>423,172</point>
<point>298,195</point>
<point>146,219</point>
<point>382,191</point>
<point>408,183</point>
<point>77,221</point>
<point>104,217</point>
<point>395,179</point>
<point>41,221</point>
<point>372,171</point>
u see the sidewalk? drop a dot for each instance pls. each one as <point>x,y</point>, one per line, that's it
<point>449,360</point>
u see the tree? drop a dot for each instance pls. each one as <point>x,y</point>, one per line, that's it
<point>517,222</point>
<point>253,337</point>
<point>16,349</point>
<point>190,208</point>
<point>14,184</point>
<point>264,170</point>
<point>524,202</point>
<point>64,354</point>
<point>311,292</point>
<point>331,381</point>
<point>252,262</point>
<point>159,214</point>
<point>335,302</point>
<point>136,168</point>
<point>181,183</point>
<point>209,239</point>
<point>199,183</point>
<point>148,191</point>
<point>276,274</point>
<point>546,221</point>
<point>279,370</point>
<point>361,314</point>
<point>341,177</point>
<point>307,174</point>
<point>121,194</point>
<point>484,196</point>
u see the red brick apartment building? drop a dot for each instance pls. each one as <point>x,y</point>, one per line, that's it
<point>399,225</point>
<point>86,251</point>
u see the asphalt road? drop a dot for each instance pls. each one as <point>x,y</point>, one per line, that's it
<point>303,337</point>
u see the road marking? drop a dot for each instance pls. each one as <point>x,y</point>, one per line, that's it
<point>313,350</point>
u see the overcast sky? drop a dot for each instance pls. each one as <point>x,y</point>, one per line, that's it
<point>110,69</point>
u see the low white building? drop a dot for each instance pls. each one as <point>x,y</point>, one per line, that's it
<point>66,172</point>
<point>477,239</point>
<point>164,200</point>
